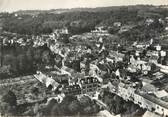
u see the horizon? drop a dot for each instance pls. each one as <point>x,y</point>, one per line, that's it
<point>80,8</point>
<point>13,6</point>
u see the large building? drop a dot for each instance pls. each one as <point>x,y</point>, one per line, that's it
<point>72,90</point>
<point>89,85</point>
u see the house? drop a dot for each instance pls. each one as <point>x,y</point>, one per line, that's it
<point>61,31</point>
<point>125,91</point>
<point>20,41</point>
<point>125,28</point>
<point>166,28</point>
<point>148,88</point>
<point>162,53</point>
<point>62,79</point>
<point>15,14</point>
<point>47,81</point>
<point>158,47</point>
<point>152,53</point>
<point>161,93</point>
<point>149,21</point>
<point>94,70</point>
<point>166,19</point>
<point>141,45</point>
<point>100,30</point>
<point>117,24</point>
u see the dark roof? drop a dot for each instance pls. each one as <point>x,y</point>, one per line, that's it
<point>70,88</point>
<point>154,100</point>
<point>88,80</point>
<point>57,77</point>
<point>60,78</point>
<point>102,67</point>
<point>161,82</point>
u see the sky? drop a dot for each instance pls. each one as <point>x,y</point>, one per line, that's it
<point>14,5</point>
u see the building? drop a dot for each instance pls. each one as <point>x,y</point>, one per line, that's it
<point>144,100</point>
<point>149,21</point>
<point>117,24</point>
<point>139,65</point>
<point>152,103</point>
<point>89,85</point>
<point>72,89</point>
<point>61,31</point>
<point>152,53</point>
<point>47,81</point>
<point>125,28</point>
<point>100,30</point>
<point>62,79</point>
<point>116,55</point>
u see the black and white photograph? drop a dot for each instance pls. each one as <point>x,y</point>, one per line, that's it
<point>84,58</point>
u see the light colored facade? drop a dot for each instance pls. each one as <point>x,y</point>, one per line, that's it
<point>46,80</point>
<point>144,100</point>
<point>117,24</point>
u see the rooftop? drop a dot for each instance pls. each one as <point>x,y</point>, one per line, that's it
<point>154,99</point>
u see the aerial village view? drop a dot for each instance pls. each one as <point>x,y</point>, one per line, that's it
<point>103,61</point>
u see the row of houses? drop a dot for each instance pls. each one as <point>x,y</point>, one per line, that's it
<point>144,100</point>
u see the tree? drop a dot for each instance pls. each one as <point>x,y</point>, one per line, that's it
<point>65,105</point>
<point>118,104</point>
<point>74,107</point>
<point>96,108</point>
<point>76,65</point>
<point>134,108</point>
<point>35,90</point>
<point>10,98</point>
<point>153,67</point>
<point>55,111</point>
<point>88,106</point>
<point>127,107</point>
<point>51,108</point>
<point>6,109</point>
<point>46,57</point>
<point>113,30</point>
<point>8,103</point>
<point>85,101</point>
<point>88,110</point>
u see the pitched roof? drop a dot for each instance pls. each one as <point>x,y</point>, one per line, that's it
<point>161,93</point>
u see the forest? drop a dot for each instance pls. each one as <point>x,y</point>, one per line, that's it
<point>78,21</point>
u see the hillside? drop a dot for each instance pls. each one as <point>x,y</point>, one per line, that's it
<point>78,20</point>
<point>98,9</point>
